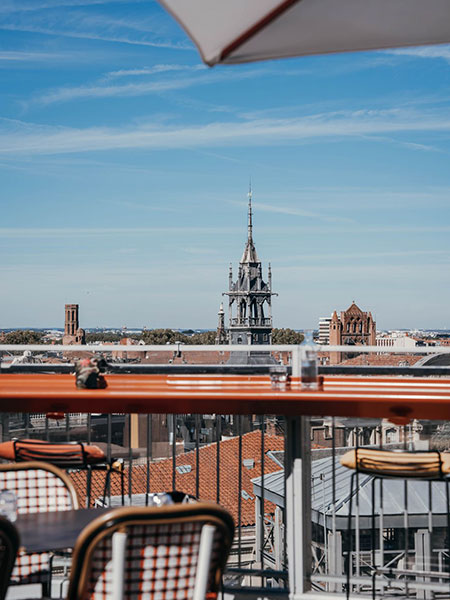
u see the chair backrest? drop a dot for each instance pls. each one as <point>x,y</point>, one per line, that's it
<point>64,455</point>
<point>38,486</point>
<point>160,553</point>
<point>9,547</point>
<point>387,463</point>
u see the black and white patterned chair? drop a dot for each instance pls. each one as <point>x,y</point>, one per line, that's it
<point>174,552</point>
<point>39,487</point>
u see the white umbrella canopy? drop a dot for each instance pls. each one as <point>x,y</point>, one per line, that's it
<point>237,31</point>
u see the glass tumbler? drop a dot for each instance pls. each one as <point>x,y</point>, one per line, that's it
<point>8,505</point>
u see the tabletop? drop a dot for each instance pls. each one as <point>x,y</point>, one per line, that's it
<point>49,531</point>
<point>388,397</point>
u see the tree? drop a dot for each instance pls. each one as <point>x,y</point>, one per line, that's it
<point>206,337</point>
<point>286,336</point>
<point>24,336</point>
<point>164,336</point>
<point>98,336</point>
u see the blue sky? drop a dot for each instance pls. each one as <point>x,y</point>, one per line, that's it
<point>124,168</point>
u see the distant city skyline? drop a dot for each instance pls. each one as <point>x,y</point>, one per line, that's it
<point>124,167</point>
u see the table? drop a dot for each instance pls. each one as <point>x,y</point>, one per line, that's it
<point>51,531</point>
<point>379,397</point>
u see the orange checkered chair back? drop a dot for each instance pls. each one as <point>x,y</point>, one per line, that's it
<point>39,487</point>
<point>161,552</point>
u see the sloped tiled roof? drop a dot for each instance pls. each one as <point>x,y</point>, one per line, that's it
<point>161,474</point>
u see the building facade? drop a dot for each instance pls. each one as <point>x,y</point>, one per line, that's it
<point>250,297</point>
<point>352,327</point>
<point>324,330</point>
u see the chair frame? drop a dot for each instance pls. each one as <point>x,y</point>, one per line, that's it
<point>9,537</point>
<point>377,475</point>
<point>43,466</point>
<point>76,460</point>
<point>117,521</point>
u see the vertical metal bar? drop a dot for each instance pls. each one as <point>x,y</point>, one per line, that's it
<point>298,504</point>
<point>381,536</point>
<point>109,436</point>
<point>285,467</point>
<point>68,427</point>
<point>27,424</point>
<point>47,431</point>
<point>372,539</point>
<point>174,452</point>
<point>406,527</point>
<point>108,452</point>
<point>357,530</point>
<point>239,490</point>
<point>148,455</point>
<point>219,435</point>
<point>333,485</point>
<point>197,456</point>
<point>88,425</point>
<point>130,461</point>
<point>262,491</point>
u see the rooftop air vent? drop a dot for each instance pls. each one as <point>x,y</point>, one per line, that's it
<point>246,495</point>
<point>249,463</point>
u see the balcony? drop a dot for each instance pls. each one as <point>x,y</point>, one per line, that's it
<point>250,322</point>
<point>268,451</point>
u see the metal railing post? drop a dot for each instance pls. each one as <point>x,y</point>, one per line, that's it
<point>298,505</point>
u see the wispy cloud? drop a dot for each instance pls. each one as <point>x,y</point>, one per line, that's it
<point>122,39</point>
<point>357,256</point>
<point>442,52</point>
<point>99,90</point>
<point>297,212</point>
<point>80,232</point>
<point>28,138</point>
<point>27,56</point>
<point>12,6</point>
<point>146,28</point>
<point>152,70</point>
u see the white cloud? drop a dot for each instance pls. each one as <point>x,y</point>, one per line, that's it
<point>152,70</point>
<point>122,39</point>
<point>67,94</point>
<point>31,139</point>
<point>12,6</point>
<point>442,51</point>
<point>298,212</point>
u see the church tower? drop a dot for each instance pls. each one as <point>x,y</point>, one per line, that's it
<point>73,334</point>
<point>250,298</point>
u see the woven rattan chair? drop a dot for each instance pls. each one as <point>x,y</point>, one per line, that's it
<point>9,546</point>
<point>39,487</point>
<point>428,466</point>
<point>174,552</point>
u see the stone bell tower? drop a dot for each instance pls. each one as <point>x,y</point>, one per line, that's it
<point>250,297</point>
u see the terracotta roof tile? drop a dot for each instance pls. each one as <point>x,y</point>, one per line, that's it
<point>161,474</point>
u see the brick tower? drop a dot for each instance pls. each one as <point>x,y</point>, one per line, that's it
<point>73,334</point>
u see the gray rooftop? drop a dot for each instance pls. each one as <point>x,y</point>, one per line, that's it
<point>390,501</point>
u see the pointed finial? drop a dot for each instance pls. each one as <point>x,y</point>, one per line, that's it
<point>250,224</point>
<point>221,311</point>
